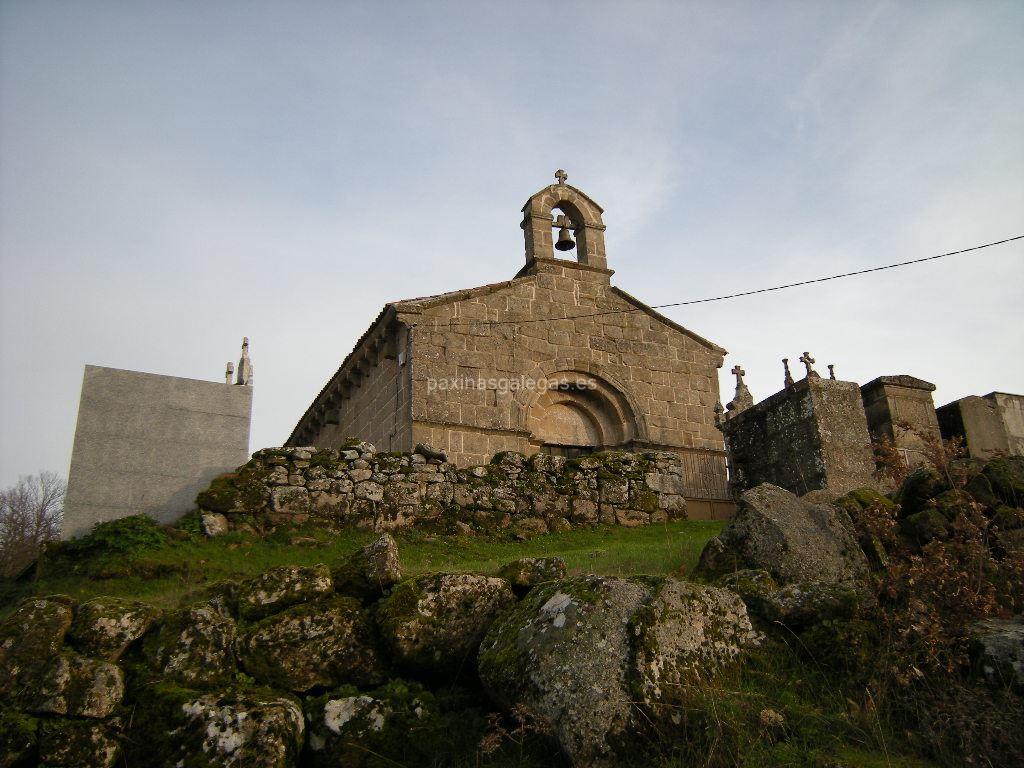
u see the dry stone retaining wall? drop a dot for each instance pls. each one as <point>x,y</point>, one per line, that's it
<point>357,486</point>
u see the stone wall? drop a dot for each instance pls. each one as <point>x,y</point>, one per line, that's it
<point>357,486</point>
<point>989,425</point>
<point>146,443</point>
<point>900,409</point>
<point>812,435</point>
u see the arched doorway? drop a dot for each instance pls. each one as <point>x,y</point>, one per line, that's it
<point>579,413</point>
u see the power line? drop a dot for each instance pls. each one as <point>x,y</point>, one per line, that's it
<point>733,295</point>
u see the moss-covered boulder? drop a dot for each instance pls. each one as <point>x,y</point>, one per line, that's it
<point>71,684</point>
<point>683,636</point>
<point>282,587</point>
<point>1006,477</point>
<point>194,646</point>
<point>68,743</point>
<point>925,526</point>
<point>918,489</point>
<point>754,587</point>
<point>436,622</point>
<point>396,724</point>
<point>1007,518</point>
<point>371,571</point>
<point>30,637</point>
<point>798,606</point>
<point>793,539</point>
<point>315,645</point>
<point>528,572</point>
<point>565,653</point>
<point>18,737</point>
<point>104,627</point>
<point>175,726</point>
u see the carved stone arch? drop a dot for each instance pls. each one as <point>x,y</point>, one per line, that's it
<point>587,224</point>
<point>578,408</point>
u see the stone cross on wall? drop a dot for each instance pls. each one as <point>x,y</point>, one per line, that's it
<point>742,399</point>
<point>832,371</point>
<point>788,381</point>
<point>808,361</point>
<point>244,366</point>
<point>229,372</point>
<point>561,176</point>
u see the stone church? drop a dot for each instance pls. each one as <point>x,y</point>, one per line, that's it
<point>557,360</point>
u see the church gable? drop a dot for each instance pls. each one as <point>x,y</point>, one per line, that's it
<point>556,359</point>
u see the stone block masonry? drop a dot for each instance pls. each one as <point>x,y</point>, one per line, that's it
<point>357,486</point>
<point>812,435</point>
<point>148,444</point>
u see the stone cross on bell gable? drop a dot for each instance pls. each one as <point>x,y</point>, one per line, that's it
<point>561,176</point>
<point>808,361</point>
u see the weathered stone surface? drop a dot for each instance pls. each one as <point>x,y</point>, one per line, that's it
<point>528,572</point>
<point>795,541</point>
<point>31,635</point>
<point>104,627</point>
<point>437,621</point>
<point>194,646</point>
<point>71,684</point>
<point>214,524</point>
<point>371,571</point>
<point>282,587</point>
<point>811,435</point>
<point>18,737</point>
<point>565,653</point>
<point>350,728</point>
<point>243,731</point>
<point>999,649</point>
<point>322,644</point>
<point>77,744</point>
<point>602,658</point>
<point>798,606</point>
<point>528,496</point>
<point>684,635</point>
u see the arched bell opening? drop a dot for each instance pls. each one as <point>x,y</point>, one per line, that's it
<point>579,413</point>
<point>580,235</point>
<point>566,221</point>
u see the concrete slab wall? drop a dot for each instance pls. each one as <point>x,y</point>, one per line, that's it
<point>147,443</point>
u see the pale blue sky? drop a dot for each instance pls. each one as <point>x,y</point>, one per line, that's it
<point>176,175</point>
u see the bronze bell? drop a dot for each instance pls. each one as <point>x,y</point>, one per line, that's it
<point>565,241</point>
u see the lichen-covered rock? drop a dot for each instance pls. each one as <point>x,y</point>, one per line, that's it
<point>798,606</point>
<point>565,652</point>
<point>214,524</point>
<point>605,659</point>
<point>792,539</point>
<point>685,635</point>
<point>176,726</point>
<point>194,646</point>
<point>323,644</point>
<point>755,588</point>
<point>918,489</point>
<point>239,731</point>
<point>75,685</point>
<point>437,621</point>
<point>18,737</point>
<point>282,587</point>
<point>528,572</point>
<point>31,636</point>
<point>394,722</point>
<point>77,744</point>
<point>104,627</point>
<point>371,571</point>
<point>999,650</point>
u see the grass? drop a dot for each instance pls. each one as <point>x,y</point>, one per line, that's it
<point>174,572</point>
